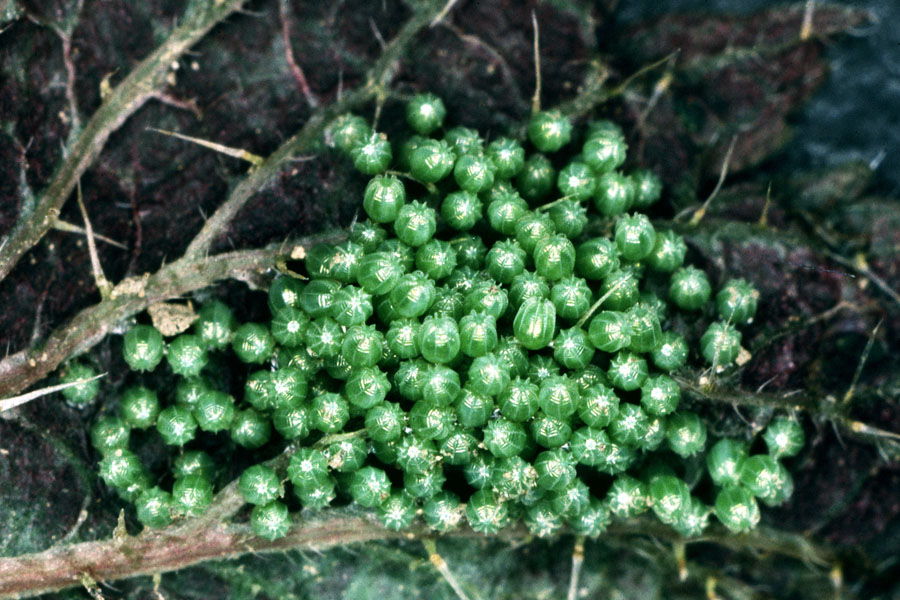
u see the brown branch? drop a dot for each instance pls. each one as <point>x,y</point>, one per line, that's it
<point>377,80</point>
<point>170,549</point>
<point>22,369</point>
<point>140,85</point>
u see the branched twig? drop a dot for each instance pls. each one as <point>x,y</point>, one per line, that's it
<point>128,97</point>
<point>20,370</point>
<point>377,80</point>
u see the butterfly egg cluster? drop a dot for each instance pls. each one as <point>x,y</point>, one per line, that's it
<point>470,353</point>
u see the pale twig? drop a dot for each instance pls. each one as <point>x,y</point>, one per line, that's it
<point>444,12</point>
<point>441,565</point>
<point>296,70</point>
<point>848,395</point>
<point>10,403</point>
<point>723,173</point>
<point>61,225</point>
<point>577,564</point>
<point>599,303</point>
<point>170,100</point>
<point>100,279</point>
<point>807,28</point>
<point>536,99</point>
<point>251,158</point>
<point>864,270</point>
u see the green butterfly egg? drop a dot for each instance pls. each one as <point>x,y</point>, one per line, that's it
<point>385,421</point>
<point>440,384</point>
<point>644,328</point>
<point>401,338</point>
<point>317,297</point>
<point>176,425</point>
<point>83,392</point>
<point>369,486</point>
<point>549,130</point>
<point>250,429</point>
<point>383,198</point>
<point>292,422</point>
<point>589,446</point>
<point>767,479</point>
<point>510,350</point>
<point>464,140</point>
<point>555,469</point>
<point>425,113</point>
<point>488,375</point>
<point>535,323</point>
<point>143,347</point>
<point>686,433</point>
<point>569,217</point>
<point>351,306</point>
<point>192,495</point>
<point>486,297</point>
<point>660,395</point>
<point>554,257</point>
<point>604,153</point>
<point>430,420</point>
<point>512,478</point>
<point>438,339</point>
<point>609,331</point>
<point>689,288</point>
<point>348,130</point>
<point>531,228</point>
<point>154,508</point>
<point>443,512</point>
<point>472,408</point>
<point>736,508</point>
<point>668,252</point>
<point>503,437</point>
<point>647,188</point>
<point>120,468</point>
<point>347,455</point>
<point>784,437</point>
<point>477,334</point>
<point>613,194</point>
<point>486,513</point>
<point>505,211</point>
<point>599,405</point>
<point>431,161</point>
<point>306,467</point>
<point>593,521</point>
<point>635,236</point>
<point>461,210</point>
<point>470,252</point>
<point>214,411</point>
<point>628,497</point>
<point>537,177</point>
<point>720,344</point>
<point>424,484</point>
<point>409,378</point>
<point>139,407</point>
<point>670,496</point>
<point>550,432</point>
<point>109,433</point>
<point>736,302</point>
<point>725,460</point>
<point>186,355</point>
<point>620,289</point>
<point>526,285</point>
<point>576,180</point>
<point>572,348</point>
<point>540,367</point>
<point>270,521</point>
<point>571,297</point>
<point>458,447</point>
<point>259,485</point>
<point>473,173</point>
<point>362,346</point>
<point>367,235</point>
<point>317,494</point>
<point>215,324</point>
<point>413,295</point>
<point>558,397</point>
<point>366,387</point>
<point>436,259</point>
<point>284,293</point>
<point>397,512</point>
<point>629,425</point>
<point>330,412</point>
<point>596,259</point>
<point>415,454</point>
<point>415,224</point>
<point>372,155</point>
<point>252,343</point>
<point>505,260</point>
<point>508,157</point>
<point>671,352</point>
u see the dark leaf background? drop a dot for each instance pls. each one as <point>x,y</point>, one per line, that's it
<point>745,76</point>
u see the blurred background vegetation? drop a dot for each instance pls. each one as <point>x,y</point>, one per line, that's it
<point>809,213</point>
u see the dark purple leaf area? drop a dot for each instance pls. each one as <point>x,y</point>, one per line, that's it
<point>741,77</point>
